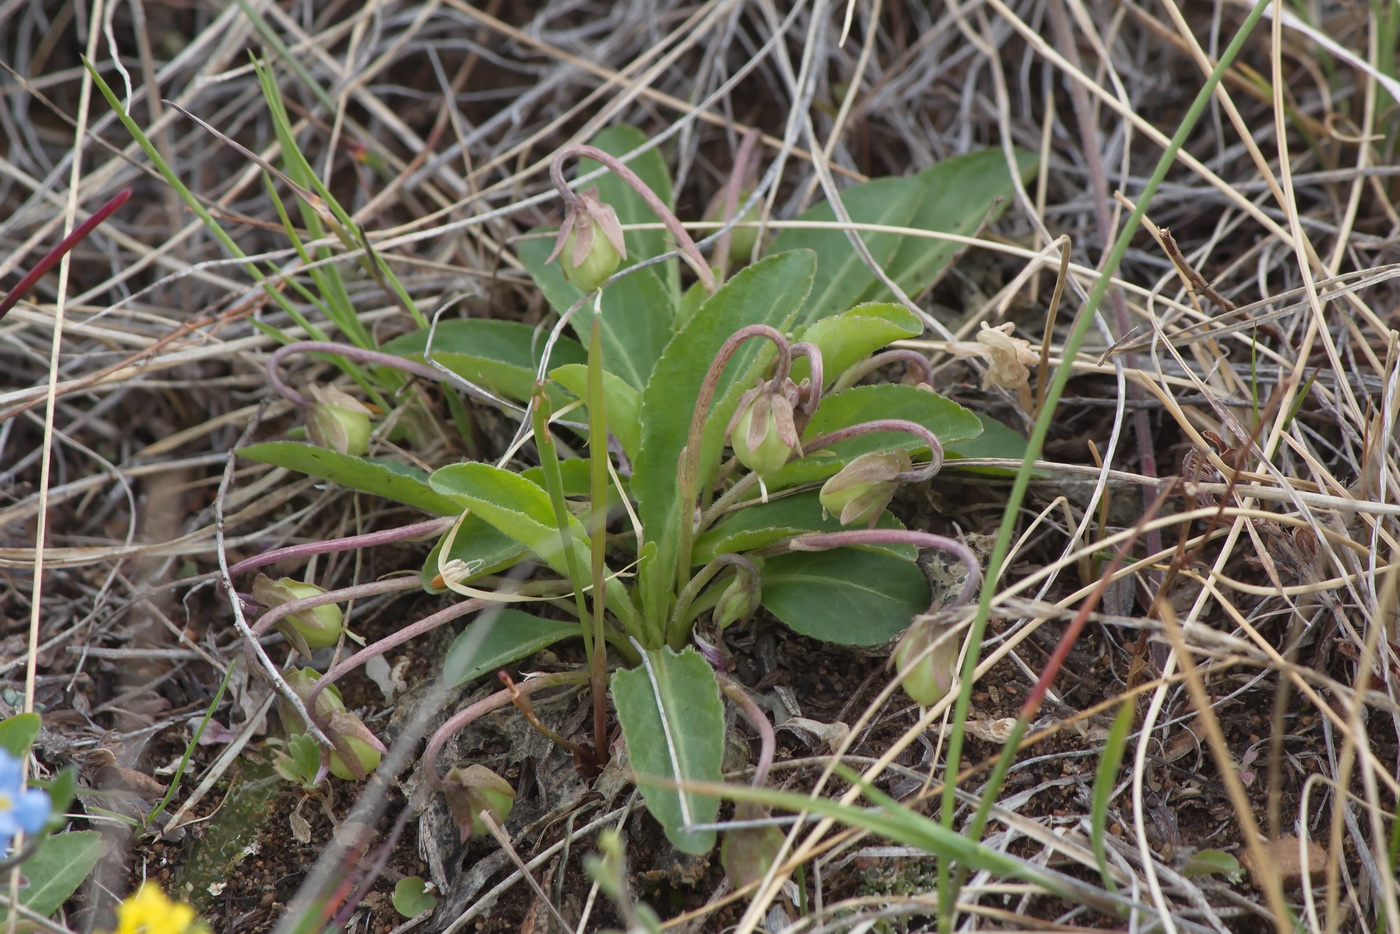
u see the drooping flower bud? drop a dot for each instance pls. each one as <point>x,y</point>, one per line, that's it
<point>306,630</point>
<point>472,790</point>
<point>739,600</point>
<point>747,853</point>
<point>590,241</point>
<point>357,751</point>
<point>763,433</point>
<point>927,677</point>
<point>337,420</point>
<point>864,487</point>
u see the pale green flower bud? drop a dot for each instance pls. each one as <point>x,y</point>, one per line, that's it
<point>307,630</point>
<point>590,241</point>
<point>864,487</point>
<point>337,421</point>
<point>748,852</point>
<point>927,677</point>
<point>764,436</point>
<point>738,602</point>
<point>472,790</point>
<point>357,751</point>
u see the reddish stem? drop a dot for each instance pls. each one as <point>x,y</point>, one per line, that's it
<point>426,624</point>
<point>350,543</point>
<point>822,541</point>
<point>481,708</point>
<point>917,475</point>
<point>1076,626</point>
<point>768,741</point>
<point>53,256</point>
<point>686,246</point>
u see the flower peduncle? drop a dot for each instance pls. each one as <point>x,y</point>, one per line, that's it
<point>573,203</point>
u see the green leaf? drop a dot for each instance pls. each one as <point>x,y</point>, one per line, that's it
<point>842,276</point>
<point>484,549</point>
<point>622,403</point>
<point>61,864</point>
<point>847,595</point>
<point>514,505</point>
<point>996,440</point>
<point>940,415</point>
<point>488,644</point>
<point>634,325</point>
<point>1104,779</point>
<point>674,728</point>
<point>1212,862</point>
<point>368,475</point>
<point>411,897</point>
<point>305,752</point>
<point>61,788</point>
<point>768,292</point>
<point>765,523</point>
<point>17,733</point>
<point>959,196</point>
<point>851,336</point>
<point>501,356</point>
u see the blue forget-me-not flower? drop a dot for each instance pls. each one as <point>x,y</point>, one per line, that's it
<point>21,808</point>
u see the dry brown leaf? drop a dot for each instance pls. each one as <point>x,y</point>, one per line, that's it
<point>1285,861</point>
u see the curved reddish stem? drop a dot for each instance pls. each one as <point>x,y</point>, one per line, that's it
<point>373,588</point>
<point>822,541</point>
<point>481,708</point>
<point>426,624</point>
<point>912,359</point>
<point>358,354</point>
<point>916,475</point>
<point>767,739</point>
<point>693,257</point>
<point>349,543</point>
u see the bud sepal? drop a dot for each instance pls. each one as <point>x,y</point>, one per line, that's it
<point>472,790</point>
<point>927,658</point>
<point>763,432</point>
<point>307,630</point>
<point>863,488</point>
<point>590,241</point>
<point>741,598</point>
<point>337,421</point>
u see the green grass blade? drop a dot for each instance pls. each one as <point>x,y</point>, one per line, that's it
<point>1109,762</point>
<point>1002,546</point>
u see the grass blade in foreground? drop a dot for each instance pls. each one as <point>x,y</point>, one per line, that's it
<point>995,563</point>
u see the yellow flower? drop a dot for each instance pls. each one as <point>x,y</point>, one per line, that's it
<point>149,911</point>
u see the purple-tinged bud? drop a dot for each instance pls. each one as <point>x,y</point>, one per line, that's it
<point>472,790</point>
<point>864,487</point>
<point>357,751</point>
<point>738,602</point>
<point>316,628</point>
<point>590,241</point>
<point>763,433</point>
<point>337,421</point>
<point>747,853</point>
<point>927,676</point>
